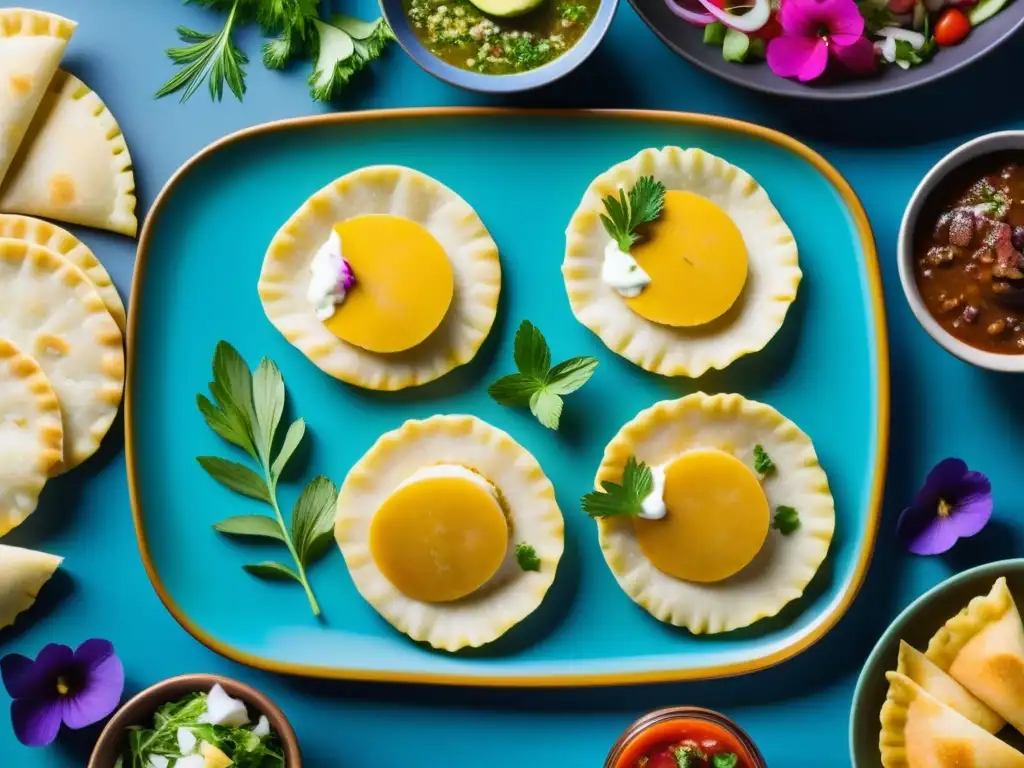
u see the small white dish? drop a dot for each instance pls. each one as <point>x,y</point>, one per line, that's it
<point>983,145</point>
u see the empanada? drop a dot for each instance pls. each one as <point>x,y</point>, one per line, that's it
<point>31,46</point>
<point>23,572</point>
<point>74,165</point>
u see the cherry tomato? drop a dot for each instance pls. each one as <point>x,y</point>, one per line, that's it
<point>952,27</point>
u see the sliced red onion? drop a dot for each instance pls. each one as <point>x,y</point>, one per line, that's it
<point>916,39</point>
<point>751,21</point>
<point>699,18</point>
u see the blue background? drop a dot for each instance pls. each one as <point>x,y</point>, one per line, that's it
<point>797,711</point>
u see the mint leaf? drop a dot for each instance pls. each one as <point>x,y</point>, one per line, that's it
<point>763,463</point>
<point>786,520</point>
<point>569,376</point>
<point>514,389</point>
<point>527,558</point>
<point>237,477</point>
<point>272,571</point>
<point>251,525</point>
<point>547,407</point>
<point>532,355</point>
<point>621,499</point>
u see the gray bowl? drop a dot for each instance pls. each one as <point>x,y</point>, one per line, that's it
<point>983,145</point>
<point>687,40</point>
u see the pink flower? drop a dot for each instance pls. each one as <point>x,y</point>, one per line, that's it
<point>813,31</point>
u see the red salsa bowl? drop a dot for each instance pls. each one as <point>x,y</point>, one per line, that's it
<point>707,738</point>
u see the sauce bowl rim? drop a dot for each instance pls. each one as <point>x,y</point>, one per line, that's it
<point>989,143</point>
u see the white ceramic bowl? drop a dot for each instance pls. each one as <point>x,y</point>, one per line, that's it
<point>983,145</point>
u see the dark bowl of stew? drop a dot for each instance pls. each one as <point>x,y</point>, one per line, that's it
<point>690,736</point>
<point>961,252</point>
<point>499,46</point>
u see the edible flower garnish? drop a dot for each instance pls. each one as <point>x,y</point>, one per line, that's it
<point>625,215</point>
<point>75,688</point>
<point>527,558</point>
<point>538,384</point>
<point>625,499</point>
<point>247,413</point>
<point>954,503</point>
<point>786,520</point>
<point>815,31</point>
<point>763,463</point>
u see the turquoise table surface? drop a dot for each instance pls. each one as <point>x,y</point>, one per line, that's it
<point>798,711</point>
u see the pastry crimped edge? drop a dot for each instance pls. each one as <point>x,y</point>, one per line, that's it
<point>46,565</point>
<point>475,299</point>
<point>47,235</point>
<point>659,348</point>
<point>488,451</point>
<point>981,611</point>
<point>13,22</point>
<point>108,338</point>
<point>46,423</point>
<point>121,218</point>
<point>817,513</point>
<point>893,717</point>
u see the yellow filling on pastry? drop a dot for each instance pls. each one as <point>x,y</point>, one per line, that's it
<point>696,259</point>
<point>717,520</point>
<point>404,284</point>
<point>441,535</point>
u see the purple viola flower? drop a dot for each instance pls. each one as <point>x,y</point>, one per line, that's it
<point>76,688</point>
<point>954,503</point>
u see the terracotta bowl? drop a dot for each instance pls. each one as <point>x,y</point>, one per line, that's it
<point>139,711</point>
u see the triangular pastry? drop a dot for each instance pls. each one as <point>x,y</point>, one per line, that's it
<point>23,572</point>
<point>916,666</point>
<point>74,165</point>
<point>919,731</point>
<point>31,435</point>
<point>982,648</point>
<point>31,46</point>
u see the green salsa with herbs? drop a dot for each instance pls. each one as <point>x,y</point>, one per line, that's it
<point>459,33</point>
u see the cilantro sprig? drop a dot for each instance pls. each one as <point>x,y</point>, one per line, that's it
<point>246,411</point>
<point>625,498</point>
<point>339,47</point>
<point>625,214</point>
<point>538,384</point>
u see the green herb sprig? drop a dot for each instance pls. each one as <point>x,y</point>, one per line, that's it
<point>624,215</point>
<point>527,558</point>
<point>340,47</point>
<point>725,760</point>
<point>538,384</point>
<point>763,463</point>
<point>621,499</point>
<point>246,411</point>
<point>786,520</point>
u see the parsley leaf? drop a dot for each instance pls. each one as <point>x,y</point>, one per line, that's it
<point>340,54</point>
<point>687,756</point>
<point>572,13</point>
<point>247,413</point>
<point>214,58</point>
<point>724,760</point>
<point>786,520</point>
<point>527,558</point>
<point>763,463</point>
<point>624,499</point>
<point>538,384</point>
<point>625,214</point>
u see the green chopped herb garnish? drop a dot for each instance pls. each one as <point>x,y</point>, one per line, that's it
<point>625,214</point>
<point>763,463</point>
<point>724,760</point>
<point>572,13</point>
<point>527,558</point>
<point>537,384</point>
<point>786,520</point>
<point>624,499</point>
<point>687,756</point>
<point>246,411</point>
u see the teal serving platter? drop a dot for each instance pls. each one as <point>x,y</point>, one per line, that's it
<point>199,258</point>
<point>916,624</point>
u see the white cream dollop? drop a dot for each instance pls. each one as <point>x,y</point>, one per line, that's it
<point>653,504</point>
<point>450,470</point>
<point>326,288</point>
<point>621,272</point>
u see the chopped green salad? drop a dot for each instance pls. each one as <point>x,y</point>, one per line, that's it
<point>203,730</point>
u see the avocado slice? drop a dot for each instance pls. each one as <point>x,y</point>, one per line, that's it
<point>507,8</point>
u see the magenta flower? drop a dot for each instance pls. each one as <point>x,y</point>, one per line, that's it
<point>814,31</point>
<point>74,688</point>
<point>953,504</point>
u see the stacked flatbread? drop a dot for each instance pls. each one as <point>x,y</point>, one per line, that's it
<point>62,156</point>
<point>945,705</point>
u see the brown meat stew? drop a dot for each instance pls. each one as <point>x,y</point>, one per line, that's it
<point>968,253</point>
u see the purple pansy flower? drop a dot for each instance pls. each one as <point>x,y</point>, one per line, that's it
<point>347,278</point>
<point>953,504</point>
<point>76,688</point>
<point>814,31</point>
